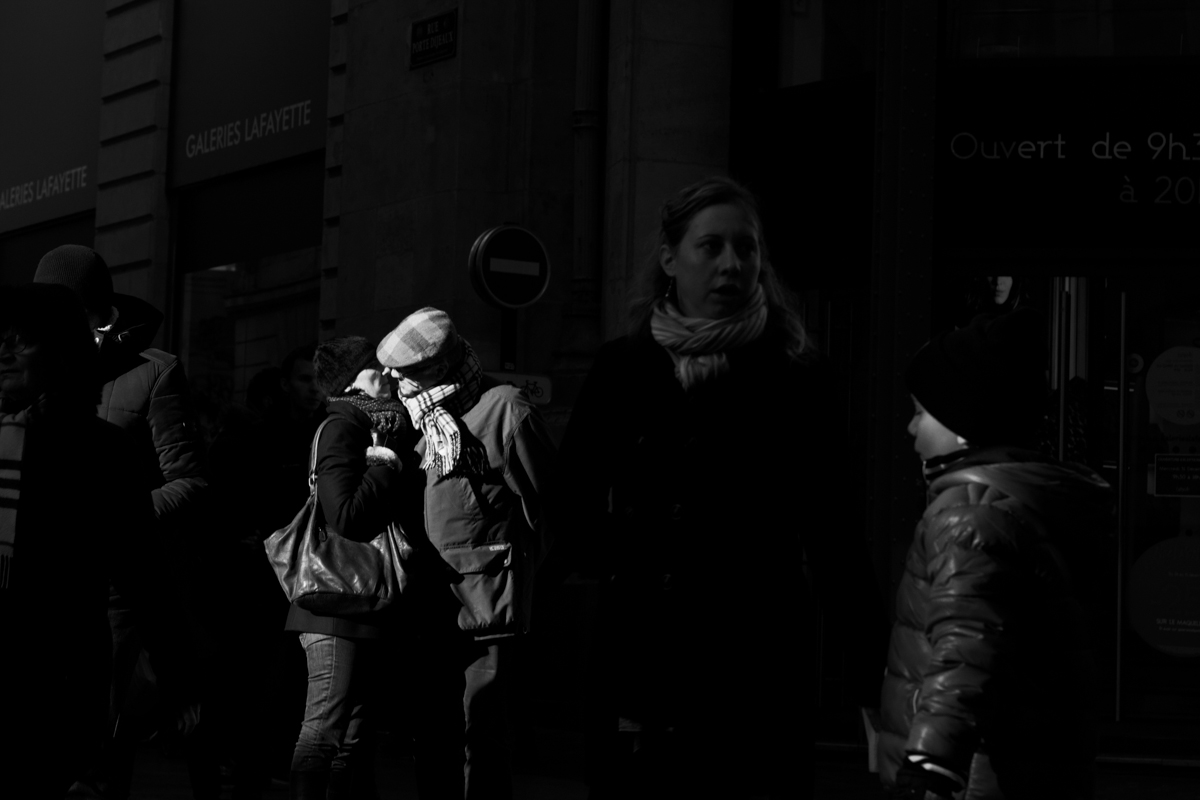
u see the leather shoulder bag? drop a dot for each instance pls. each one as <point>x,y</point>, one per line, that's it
<point>328,574</point>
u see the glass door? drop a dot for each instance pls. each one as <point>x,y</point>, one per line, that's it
<point>1125,378</point>
<point>1159,547</point>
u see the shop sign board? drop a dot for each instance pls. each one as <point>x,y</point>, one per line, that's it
<point>509,267</point>
<point>50,61</point>
<point>1096,156</point>
<point>433,39</point>
<point>1164,596</point>
<point>251,82</point>
<point>1173,388</point>
<point>1176,475</point>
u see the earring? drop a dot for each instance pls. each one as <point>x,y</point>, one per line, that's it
<point>670,289</point>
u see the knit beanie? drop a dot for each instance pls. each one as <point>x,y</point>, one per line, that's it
<point>985,382</point>
<point>337,362</point>
<point>425,335</point>
<point>81,269</point>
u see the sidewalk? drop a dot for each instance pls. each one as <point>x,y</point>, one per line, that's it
<point>161,777</point>
<point>841,775</point>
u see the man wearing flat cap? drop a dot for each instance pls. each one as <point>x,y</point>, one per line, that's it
<point>487,457</point>
<point>143,393</point>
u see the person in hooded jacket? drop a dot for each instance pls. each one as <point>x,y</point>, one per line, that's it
<point>143,392</point>
<point>989,687</point>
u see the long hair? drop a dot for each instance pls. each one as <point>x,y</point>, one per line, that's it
<point>52,316</point>
<point>783,309</point>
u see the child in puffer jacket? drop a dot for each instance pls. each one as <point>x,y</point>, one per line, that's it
<point>989,688</point>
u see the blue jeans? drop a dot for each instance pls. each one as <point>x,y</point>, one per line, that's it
<point>335,737</point>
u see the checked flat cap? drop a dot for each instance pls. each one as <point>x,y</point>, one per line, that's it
<point>424,335</point>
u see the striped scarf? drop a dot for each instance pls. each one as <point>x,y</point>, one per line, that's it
<point>12,448</point>
<point>436,411</point>
<point>698,346</point>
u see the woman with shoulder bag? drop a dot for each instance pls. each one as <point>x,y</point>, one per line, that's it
<point>698,468</point>
<point>358,489</point>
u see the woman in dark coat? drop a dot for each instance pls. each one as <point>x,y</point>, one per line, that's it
<point>697,467</point>
<point>358,485</point>
<point>990,683</point>
<point>70,518</point>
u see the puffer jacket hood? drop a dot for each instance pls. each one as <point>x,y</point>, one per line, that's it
<point>137,323</point>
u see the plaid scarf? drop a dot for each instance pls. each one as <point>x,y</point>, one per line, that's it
<point>387,416</point>
<point>697,346</point>
<point>436,411</point>
<point>12,449</point>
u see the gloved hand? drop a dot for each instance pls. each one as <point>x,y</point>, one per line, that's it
<point>913,782</point>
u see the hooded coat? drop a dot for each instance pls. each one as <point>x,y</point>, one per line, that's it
<point>990,670</point>
<point>144,393</point>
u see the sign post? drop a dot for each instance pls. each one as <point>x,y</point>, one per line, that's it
<point>510,270</point>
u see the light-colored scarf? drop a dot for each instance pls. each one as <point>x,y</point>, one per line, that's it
<point>698,346</point>
<point>436,411</point>
<point>12,449</point>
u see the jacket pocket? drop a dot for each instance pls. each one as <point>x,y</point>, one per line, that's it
<point>487,590</point>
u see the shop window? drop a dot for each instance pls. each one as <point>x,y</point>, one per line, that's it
<point>240,319</point>
<point>999,29</point>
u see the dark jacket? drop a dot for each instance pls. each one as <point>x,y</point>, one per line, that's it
<point>357,501</point>
<point>700,510</point>
<point>80,524</point>
<point>493,529</point>
<point>990,669</point>
<point>145,394</point>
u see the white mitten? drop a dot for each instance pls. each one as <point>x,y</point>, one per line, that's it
<point>378,455</point>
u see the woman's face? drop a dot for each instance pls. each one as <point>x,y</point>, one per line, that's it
<point>374,383</point>
<point>1001,287</point>
<point>716,264</point>
<point>21,373</point>
<point>931,438</point>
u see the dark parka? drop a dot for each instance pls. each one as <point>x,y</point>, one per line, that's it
<point>990,668</point>
<point>698,511</point>
<point>145,394</point>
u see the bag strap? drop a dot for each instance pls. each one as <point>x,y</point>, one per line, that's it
<point>312,456</point>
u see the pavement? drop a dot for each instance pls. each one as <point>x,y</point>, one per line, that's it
<point>841,774</point>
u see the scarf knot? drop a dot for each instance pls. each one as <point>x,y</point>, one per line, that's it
<point>388,417</point>
<point>437,411</point>
<point>699,346</point>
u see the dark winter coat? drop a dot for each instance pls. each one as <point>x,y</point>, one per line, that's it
<point>990,669</point>
<point>145,394</point>
<point>494,529</point>
<point>699,510</point>
<point>80,524</point>
<point>357,502</point>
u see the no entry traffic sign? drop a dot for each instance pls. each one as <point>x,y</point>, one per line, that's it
<point>509,267</point>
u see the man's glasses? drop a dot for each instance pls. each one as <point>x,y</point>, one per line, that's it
<point>14,343</point>
<point>406,374</point>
